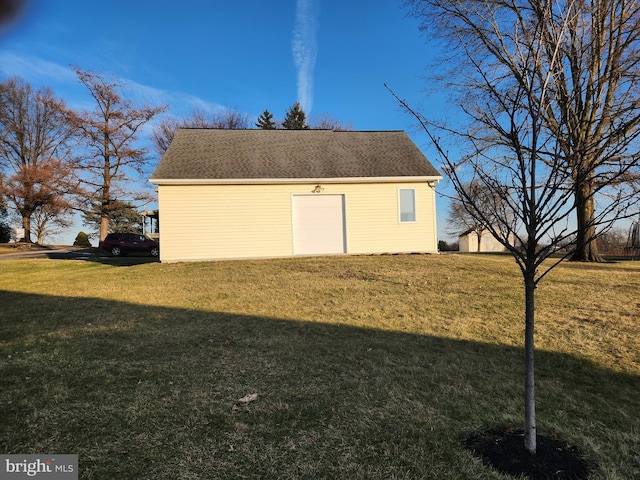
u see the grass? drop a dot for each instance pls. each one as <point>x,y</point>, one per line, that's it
<point>364,367</point>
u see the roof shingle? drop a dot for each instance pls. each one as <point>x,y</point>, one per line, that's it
<point>215,154</point>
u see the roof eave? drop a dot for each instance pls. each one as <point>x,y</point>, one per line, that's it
<point>284,181</point>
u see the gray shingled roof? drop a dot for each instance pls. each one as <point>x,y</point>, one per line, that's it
<point>204,154</point>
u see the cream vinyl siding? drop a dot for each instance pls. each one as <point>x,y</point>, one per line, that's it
<point>373,222</point>
<point>203,222</point>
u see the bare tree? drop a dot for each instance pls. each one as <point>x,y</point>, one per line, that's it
<point>614,241</point>
<point>51,219</point>
<point>591,103</point>
<point>461,215</point>
<point>327,122</point>
<point>508,149</point>
<point>34,149</point>
<point>461,222</point>
<point>110,133</point>
<point>164,132</point>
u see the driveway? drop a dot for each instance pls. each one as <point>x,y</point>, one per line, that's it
<point>59,253</point>
<point>73,253</point>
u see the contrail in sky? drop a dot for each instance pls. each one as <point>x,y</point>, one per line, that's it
<point>305,50</point>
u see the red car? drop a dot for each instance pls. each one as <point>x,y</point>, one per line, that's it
<point>123,243</point>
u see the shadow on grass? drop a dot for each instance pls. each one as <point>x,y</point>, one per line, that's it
<point>125,261</point>
<point>99,256</point>
<point>75,253</point>
<point>140,391</point>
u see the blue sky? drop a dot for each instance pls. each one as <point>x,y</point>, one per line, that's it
<point>333,56</point>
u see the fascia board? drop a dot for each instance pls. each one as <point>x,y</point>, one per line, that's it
<point>285,181</point>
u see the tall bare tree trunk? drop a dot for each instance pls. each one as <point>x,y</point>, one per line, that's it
<point>586,245</point>
<point>529,377</point>
<point>104,225</point>
<point>26,225</point>
<point>105,203</point>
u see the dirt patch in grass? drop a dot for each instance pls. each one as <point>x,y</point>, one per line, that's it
<point>503,449</point>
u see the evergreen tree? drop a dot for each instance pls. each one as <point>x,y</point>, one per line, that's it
<point>5,230</point>
<point>123,218</point>
<point>265,121</point>
<point>82,240</point>
<point>296,119</point>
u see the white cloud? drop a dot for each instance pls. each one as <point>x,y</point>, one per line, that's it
<point>34,69</point>
<point>185,103</point>
<point>305,49</point>
<point>64,82</point>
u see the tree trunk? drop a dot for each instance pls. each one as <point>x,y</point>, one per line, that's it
<point>106,183</point>
<point>104,224</point>
<point>586,245</point>
<point>529,377</point>
<point>26,225</point>
<point>479,235</point>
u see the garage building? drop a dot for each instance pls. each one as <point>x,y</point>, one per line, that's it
<point>276,193</point>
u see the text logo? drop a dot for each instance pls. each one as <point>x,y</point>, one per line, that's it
<point>46,467</point>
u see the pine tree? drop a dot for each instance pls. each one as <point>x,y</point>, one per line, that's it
<point>296,119</point>
<point>265,121</point>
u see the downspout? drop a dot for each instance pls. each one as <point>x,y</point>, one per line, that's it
<point>433,186</point>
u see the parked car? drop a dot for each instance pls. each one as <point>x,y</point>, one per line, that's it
<point>123,243</point>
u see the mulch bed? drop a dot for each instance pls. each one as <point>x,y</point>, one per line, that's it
<point>503,449</point>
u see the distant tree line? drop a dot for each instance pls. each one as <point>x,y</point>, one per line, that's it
<point>295,119</point>
<point>56,162</point>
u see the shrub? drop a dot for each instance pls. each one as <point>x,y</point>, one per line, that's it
<point>446,247</point>
<point>5,230</point>
<point>82,240</point>
<point>5,233</point>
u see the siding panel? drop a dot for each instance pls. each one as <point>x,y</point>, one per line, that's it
<point>373,220</point>
<point>202,222</point>
<point>225,221</point>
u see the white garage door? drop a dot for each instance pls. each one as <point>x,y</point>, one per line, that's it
<point>318,224</point>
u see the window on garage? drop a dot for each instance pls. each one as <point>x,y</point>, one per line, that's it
<point>407,202</point>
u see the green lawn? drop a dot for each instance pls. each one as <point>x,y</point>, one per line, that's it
<point>364,367</point>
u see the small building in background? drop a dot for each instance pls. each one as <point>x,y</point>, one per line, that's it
<point>150,224</point>
<point>468,242</point>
